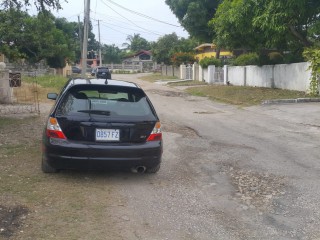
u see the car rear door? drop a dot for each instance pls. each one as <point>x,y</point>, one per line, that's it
<point>106,114</point>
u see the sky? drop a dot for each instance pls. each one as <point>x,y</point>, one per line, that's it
<point>116,23</point>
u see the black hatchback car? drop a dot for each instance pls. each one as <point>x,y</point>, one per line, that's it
<point>102,72</point>
<point>102,124</point>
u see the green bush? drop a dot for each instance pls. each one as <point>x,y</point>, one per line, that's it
<point>275,58</point>
<point>247,59</point>
<point>182,57</point>
<point>205,62</point>
<point>293,58</point>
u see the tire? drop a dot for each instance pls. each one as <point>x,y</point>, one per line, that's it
<point>153,169</point>
<point>46,168</point>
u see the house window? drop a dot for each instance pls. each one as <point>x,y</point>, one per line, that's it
<point>144,57</point>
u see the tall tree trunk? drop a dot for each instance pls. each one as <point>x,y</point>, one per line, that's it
<point>296,34</point>
<point>218,50</point>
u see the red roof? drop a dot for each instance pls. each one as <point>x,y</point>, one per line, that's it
<point>140,53</point>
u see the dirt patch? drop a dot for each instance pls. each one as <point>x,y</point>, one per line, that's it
<point>168,93</point>
<point>11,219</point>
<point>204,112</point>
<point>256,190</point>
<point>185,131</point>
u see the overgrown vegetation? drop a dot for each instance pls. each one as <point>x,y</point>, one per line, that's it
<point>47,81</point>
<point>313,56</point>
<point>157,77</point>
<point>205,62</point>
<point>247,59</point>
<point>243,96</point>
<point>187,83</point>
<point>182,58</point>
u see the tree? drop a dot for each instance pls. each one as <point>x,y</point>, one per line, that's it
<point>40,4</point>
<point>267,24</point>
<point>71,34</point>
<point>294,17</point>
<point>34,38</point>
<point>136,43</point>
<point>182,58</point>
<point>111,54</point>
<point>194,16</point>
<point>11,24</point>
<point>165,47</point>
<point>234,27</point>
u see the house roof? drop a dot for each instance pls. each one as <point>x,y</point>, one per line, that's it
<point>140,53</point>
<point>204,45</point>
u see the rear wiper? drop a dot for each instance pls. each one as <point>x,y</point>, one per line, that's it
<point>98,112</point>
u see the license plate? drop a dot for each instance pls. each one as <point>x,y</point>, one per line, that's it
<point>107,134</point>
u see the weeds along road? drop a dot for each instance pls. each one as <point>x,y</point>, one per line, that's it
<point>227,173</point>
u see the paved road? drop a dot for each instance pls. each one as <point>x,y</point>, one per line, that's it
<point>227,173</point>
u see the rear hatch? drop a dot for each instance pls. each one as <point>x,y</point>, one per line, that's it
<point>106,114</point>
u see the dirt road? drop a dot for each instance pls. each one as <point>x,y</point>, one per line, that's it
<point>227,173</point>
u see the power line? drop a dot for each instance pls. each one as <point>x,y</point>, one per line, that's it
<point>143,15</point>
<point>139,31</point>
<point>110,19</point>
<point>129,19</point>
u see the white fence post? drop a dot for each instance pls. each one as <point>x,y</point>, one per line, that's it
<point>6,93</point>
<point>195,74</point>
<point>200,73</point>
<point>225,76</point>
<point>182,71</point>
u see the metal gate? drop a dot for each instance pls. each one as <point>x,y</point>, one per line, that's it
<point>219,75</point>
<point>188,70</point>
<point>19,97</point>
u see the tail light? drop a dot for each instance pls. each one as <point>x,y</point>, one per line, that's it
<point>54,130</point>
<point>156,134</point>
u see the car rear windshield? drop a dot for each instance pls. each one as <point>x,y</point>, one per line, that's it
<point>102,70</point>
<point>112,101</point>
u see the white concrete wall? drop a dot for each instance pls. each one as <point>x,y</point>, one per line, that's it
<point>236,76</point>
<point>211,71</point>
<point>259,76</point>
<point>292,76</point>
<point>285,76</point>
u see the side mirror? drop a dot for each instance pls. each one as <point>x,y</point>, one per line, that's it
<point>92,74</point>
<point>52,96</point>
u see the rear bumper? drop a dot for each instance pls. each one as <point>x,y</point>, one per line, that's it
<point>61,154</point>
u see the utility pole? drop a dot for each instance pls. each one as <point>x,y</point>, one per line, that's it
<point>80,36</point>
<point>100,58</point>
<point>85,38</point>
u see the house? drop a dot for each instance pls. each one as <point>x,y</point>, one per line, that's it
<point>210,50</point>
<point>141,56</point>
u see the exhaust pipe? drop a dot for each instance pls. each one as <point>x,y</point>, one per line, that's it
<point>139,169</point>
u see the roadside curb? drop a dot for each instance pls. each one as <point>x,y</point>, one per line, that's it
<point>297,100</point>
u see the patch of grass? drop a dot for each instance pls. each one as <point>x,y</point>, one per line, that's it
<point>54,82</point>
<point>8,121</point>
<point>187,83</point>
<point>243,96</point>
<point>45,84</point>
<point>157,77</point>
<point>4,122</point>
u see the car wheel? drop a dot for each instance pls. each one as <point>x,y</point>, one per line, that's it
<point>46,168</point>
<point>153,169</point>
